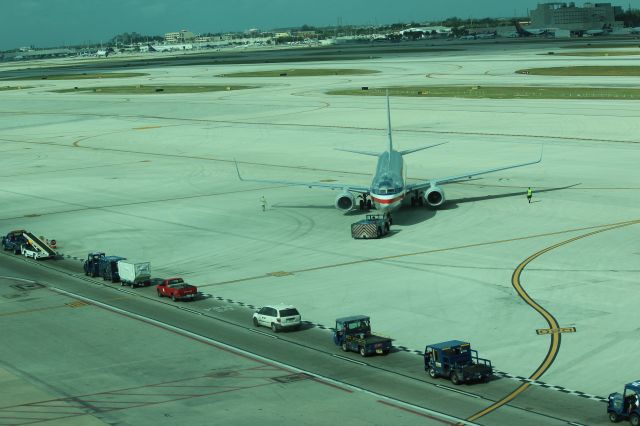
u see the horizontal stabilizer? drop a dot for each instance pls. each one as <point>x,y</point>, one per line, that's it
<point>373,154</point>
<point>409,151</point>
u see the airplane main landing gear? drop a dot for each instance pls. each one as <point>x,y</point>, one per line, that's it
<point>417,199</point>
<point>365,202</point>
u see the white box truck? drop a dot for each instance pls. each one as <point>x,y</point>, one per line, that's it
<point>134,273</point>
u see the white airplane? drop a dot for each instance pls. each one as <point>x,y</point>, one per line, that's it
<point>389,189</point>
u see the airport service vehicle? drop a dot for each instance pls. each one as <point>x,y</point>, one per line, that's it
<point>278,317</point>
<point>625,406</point>
<point>176,289</point>
<point>15,239</point>
<point>30,251</point>
<point>373,226</point>
<point>457,361</point>
<point>354,334</point>
<point>108,268</point>
<point>91,266</point>
<point>134,273</point>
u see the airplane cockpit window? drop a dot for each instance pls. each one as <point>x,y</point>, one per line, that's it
<point>388,187</point>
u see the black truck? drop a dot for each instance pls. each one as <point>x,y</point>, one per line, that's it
<point>456,361</point>
<point>91,266</point>
<point>354,334</point>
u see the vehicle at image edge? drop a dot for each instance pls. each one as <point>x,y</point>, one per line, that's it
<point>457,361</point>
<point>625,406</point>
<point>108,268</point>
<point>354,334</point>
<point>91,266</point>
<point>176,289</point>
<point>134,273</point>
<point>373,226</point>
<point>278,317</point>
<point>14,241</point>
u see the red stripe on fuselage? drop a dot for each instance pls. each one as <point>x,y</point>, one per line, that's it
<point>387,201</point>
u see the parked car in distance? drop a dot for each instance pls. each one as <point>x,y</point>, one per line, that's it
<point>278,317</point>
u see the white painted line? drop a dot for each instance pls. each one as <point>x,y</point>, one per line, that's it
<point>263,333</point>
<point>457,391</point>
<point>337,383</point>
<point>350,360</point>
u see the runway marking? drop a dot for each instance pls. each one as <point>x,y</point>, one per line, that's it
<point>147,127</point>
<point>321,126</point>
<point>542,331</point>
<point>457,391</point>
<point>349,359</point>
<point>81,207</point>
<point>279,273</point>
<point>77,304</point>
<point>263,333</point>
<point>417,253</point>
<point>554,345</point>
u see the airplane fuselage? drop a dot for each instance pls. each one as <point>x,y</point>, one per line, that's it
<point>388,186</point>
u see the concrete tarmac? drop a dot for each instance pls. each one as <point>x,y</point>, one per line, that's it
<point>151,177</point>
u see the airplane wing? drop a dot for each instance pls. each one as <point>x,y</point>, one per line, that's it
<point>326,185</point>
<point>434,182</point>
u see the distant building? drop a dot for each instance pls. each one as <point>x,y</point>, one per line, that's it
<point>181,36</point>
<point>568,16</point>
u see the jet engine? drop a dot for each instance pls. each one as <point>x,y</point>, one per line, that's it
<point>345,201</point>
<point>434,197</point>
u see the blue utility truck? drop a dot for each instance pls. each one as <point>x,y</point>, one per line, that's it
<point>108,267</point>
<point>354,334</point>
<point>625,406</point>
<point>91,266</point>
<point>14,240</point>
<point>457,361</point>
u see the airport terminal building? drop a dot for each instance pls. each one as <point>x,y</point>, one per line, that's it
<point>568,16</point>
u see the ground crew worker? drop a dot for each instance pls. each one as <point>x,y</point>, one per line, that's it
<point>263,203</point>
<point>529,194</point>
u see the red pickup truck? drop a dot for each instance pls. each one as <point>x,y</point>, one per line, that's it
<point>176,289</point>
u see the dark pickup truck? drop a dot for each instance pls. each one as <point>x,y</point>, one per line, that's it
<point>176,289</point>
<point>456,361</point>
<point>354,334</point>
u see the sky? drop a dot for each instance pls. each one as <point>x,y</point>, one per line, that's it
<point>46,23</point>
